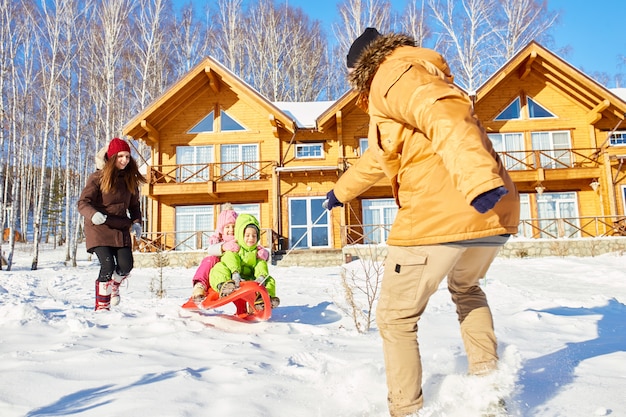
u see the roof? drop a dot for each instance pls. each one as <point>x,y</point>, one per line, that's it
<point>536,59</point>
<point>210,75</point>
<point>304,113</point>
<point>619,92</point>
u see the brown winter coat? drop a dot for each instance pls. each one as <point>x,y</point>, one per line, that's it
<point>117,205</point>
<point>424,137</point>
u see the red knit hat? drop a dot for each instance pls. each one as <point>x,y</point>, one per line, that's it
<point>117,145</point>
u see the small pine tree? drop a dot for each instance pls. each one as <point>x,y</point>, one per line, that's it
<point>157,286</point>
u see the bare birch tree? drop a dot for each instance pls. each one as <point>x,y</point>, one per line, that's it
<point>111,38</point>
<point>467,38</point>
<point>52,64</point>
<point>279,40</point>
<point>229,36</point>
<point>357,15</point>
<point>148,51</point>
<point>522,22</point>
<point>413,21</point>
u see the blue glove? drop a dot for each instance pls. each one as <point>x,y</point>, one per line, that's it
<point>487,200</point>
<point>331,201</point>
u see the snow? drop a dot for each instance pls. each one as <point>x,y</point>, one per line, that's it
<point>305,113</point>
<point>560,323</point>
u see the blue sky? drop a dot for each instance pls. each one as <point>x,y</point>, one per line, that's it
<point>594,30</point>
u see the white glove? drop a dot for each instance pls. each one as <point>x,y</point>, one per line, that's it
<point>261,280</point>
<point>136,229</point>
<point>98,218</point>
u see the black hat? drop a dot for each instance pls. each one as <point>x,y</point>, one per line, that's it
<point>359,44</point>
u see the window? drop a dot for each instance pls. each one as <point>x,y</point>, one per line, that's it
<point>553,209</point>
<point>525,228</point>
<point>512,111</point>
<point>194,163</point>
<point>363,145</point>
<point>378,215</point>
<point>240,162</point>
<point>309,150</point>
<point>308,223</point>
<point>205,125</point>
<point>227,124</point>
<point>536,111</point>
<point>512,145</point>
<point>189,220</point>
<point>618,138</point>
<point>554,147</point>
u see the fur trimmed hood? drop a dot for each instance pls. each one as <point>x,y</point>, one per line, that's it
<point>101,158</point>
<point>371,58</point>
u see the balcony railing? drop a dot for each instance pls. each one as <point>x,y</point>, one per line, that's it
<point>533,159</point>
<point>550,159</point>
<point>225,171</point>
<point>185,241</point>
<point>601,226</point>
<point>256,170</point>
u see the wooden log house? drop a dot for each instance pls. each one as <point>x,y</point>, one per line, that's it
<point>214,139</point>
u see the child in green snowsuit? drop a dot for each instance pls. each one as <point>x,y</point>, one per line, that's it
<point>225,276</point>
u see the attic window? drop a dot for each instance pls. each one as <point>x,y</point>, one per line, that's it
<point>536,111</point>
<point>205,125</point>
<point>227,124</point>
<point>512,111</point>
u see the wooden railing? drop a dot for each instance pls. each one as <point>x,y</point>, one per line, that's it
<point>550,159</point>
<point>185,241</point>
<point>592,226</point>
<point>226,171</point>
<point>533,159</point>
<point>600,226</point>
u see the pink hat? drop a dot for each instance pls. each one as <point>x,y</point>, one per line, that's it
<point>227,216</point>
<point>117,145</point>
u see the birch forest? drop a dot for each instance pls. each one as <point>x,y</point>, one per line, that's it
<point>74,72</point>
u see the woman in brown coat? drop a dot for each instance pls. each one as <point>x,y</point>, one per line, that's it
<point>110,204</point>
<point>457,205</point>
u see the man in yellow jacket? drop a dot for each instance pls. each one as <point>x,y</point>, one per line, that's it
<point>457,204</point>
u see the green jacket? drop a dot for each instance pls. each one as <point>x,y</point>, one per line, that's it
<point>245,261</point>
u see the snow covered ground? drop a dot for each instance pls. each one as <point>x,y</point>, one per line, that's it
<point>561,324</point>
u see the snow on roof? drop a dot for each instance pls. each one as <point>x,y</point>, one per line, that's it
<point>619,92</point>
<point>304,113</point>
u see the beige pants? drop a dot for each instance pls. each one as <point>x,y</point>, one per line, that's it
<point>412,275</point>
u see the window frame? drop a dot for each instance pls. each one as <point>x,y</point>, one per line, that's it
<point>311,146</point>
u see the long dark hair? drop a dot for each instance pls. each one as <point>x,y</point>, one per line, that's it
<point>132,177</point>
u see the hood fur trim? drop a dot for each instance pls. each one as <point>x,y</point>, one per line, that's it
<point>101,158</point>
<point>371,58</point>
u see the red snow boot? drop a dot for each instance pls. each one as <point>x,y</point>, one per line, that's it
<point>115,288</point>
<point>103,295</point>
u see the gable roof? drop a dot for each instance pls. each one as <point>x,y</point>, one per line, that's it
<point>534,58</point>
<point>208,74</point>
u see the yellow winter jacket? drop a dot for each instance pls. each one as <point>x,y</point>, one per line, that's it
<point>424,137</point>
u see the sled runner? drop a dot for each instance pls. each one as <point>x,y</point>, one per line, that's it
<point>245,298</point>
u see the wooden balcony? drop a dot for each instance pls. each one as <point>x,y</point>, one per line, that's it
<point>189,180</point>
<point>562,228</point>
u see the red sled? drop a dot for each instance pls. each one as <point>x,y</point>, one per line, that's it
<point>244,299</point>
